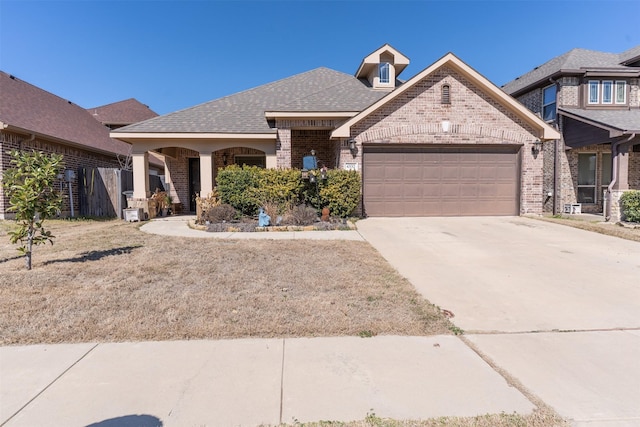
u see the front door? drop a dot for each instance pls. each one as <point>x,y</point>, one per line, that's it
<point>194,182</point>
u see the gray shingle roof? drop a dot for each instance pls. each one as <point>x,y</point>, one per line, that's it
<point>574,60</point>
<point>318,90</point>
<point>631,55</point>
<point>627,121</point>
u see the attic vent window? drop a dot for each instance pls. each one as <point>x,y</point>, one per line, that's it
<point>383,72</point>
<point>446,95</point>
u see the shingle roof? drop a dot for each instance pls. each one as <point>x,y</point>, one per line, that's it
<point>627,121</point>
<point>318,90</point>
<point>122,113</point>
<point>572,61</point>
<point>32,109</point>
<point>631,55</point>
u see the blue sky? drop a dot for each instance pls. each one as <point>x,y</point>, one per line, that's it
<point>172,55</point>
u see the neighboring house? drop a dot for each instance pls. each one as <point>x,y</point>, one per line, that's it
<point>593,98</point>
<point>32,118</point>
<point>444,142</point>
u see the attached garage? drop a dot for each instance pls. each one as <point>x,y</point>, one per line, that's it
<point>437,180</point>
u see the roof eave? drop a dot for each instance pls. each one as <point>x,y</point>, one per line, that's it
<point>613,131</point>
<point>11,128</point>
<point>127,136</point>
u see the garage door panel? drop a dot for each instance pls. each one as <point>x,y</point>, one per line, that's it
<point>440,181</point>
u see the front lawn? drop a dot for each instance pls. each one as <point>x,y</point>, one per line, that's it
<point>108,281</point>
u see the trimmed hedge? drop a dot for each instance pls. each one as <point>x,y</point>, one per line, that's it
<point>630,201</point>
<point>248,188</point>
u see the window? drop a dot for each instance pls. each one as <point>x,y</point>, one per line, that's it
<point>549,103</point>
<point>383,72</point>
<point>621,92</point>
<point>594,91</point>
<point>586,178</point>
<point>607,92</point>
<point>446,94</point>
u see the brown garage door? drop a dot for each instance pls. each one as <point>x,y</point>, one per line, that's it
<point>440,181</point>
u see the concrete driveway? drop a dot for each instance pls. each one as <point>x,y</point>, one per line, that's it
<point>555,307</point>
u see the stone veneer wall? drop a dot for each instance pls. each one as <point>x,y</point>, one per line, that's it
<point>74,158</point>
<point>475,118</point>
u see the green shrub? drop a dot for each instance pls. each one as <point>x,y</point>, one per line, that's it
<point>630,201</point>
<point>236,186</point>
<point>248,188</point>
<point>340,192</point>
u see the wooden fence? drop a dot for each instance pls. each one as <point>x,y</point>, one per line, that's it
<point>101,191</point>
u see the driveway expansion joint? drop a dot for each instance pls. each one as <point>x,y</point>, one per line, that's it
<point>49,385</point>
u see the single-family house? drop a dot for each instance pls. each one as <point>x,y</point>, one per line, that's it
<point>593,99</point>
<point>444,142</point>
<point>32,118</point>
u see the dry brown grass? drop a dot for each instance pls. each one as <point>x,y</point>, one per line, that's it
<point>606,228</point>
<point>108,281</point>
<point>538,418</point>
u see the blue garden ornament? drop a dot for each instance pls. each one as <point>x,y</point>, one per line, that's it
<point>263,219</point>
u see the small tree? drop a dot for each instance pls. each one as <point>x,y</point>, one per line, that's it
<point>29,184</point>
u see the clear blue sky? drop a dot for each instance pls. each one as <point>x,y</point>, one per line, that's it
<point>172,55</point>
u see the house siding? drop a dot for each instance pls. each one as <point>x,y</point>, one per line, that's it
<point>74,159</point>
<point>475,118</point>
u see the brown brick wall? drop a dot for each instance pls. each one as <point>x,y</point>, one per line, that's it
<point>74,159</point>
<point>416,116</point>
<point>303,141</point>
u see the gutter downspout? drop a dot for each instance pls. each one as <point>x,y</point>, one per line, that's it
<point>614,173</point>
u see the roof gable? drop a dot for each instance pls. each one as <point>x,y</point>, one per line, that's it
<point>400,61</point>
<point>545,131</point>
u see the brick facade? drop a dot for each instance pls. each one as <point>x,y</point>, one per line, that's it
<point>565,161</point>
<point>416,116</point>
<point>74,159</point>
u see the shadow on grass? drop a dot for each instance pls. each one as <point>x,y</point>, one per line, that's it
<point>96,255</point>
<point>11,258</point>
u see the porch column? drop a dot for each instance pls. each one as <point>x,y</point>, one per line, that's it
<point>206,173</point>
<point>621,160</point>
<point>140,163</point>
<point>271,157</point>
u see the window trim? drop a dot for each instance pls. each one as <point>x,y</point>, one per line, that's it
<point>262,157</point>
<point>624,92</point>
<point>597,85</point>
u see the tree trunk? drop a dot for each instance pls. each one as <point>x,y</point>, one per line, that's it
<point>27,254</point>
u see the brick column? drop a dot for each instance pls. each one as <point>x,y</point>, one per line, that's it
<point>283,148</point>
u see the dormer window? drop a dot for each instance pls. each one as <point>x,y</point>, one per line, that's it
<point>383,72</point>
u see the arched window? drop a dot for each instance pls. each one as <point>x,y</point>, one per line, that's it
<point>383,72</point>
<point>446,94</point>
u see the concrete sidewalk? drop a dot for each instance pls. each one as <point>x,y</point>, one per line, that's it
<point>248,382</point>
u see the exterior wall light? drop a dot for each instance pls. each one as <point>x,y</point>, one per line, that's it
<point>353,147</point>
<point>536,147</point>
<point>224,159</point>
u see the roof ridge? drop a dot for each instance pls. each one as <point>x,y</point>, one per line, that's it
<point>115,102</point>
